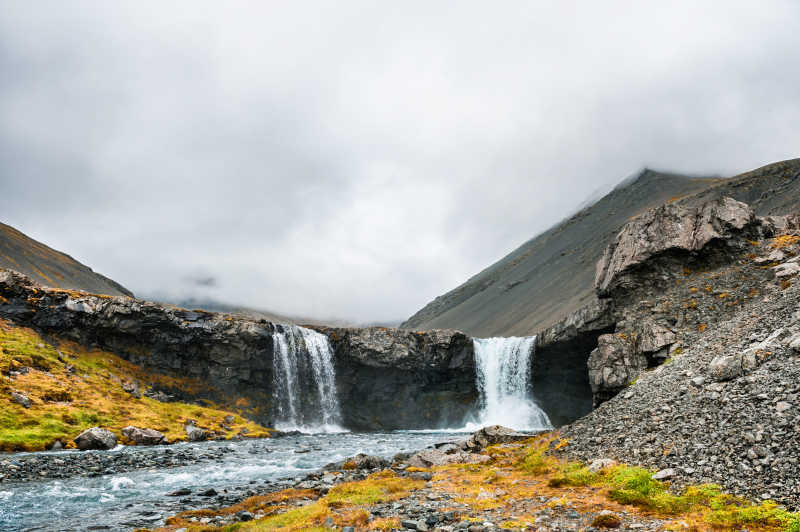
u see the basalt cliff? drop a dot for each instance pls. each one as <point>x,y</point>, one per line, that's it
<point>386,378</point>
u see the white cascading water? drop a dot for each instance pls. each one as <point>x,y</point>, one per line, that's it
<point>304,381</point>
<point>503,368</point>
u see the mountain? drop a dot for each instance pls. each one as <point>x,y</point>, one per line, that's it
<point>51,268</point>
<point>551,275</point>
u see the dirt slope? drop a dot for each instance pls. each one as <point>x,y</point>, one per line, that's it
<point>49,267</point>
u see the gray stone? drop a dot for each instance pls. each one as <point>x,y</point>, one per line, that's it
<point>664,474</point>
<point>782,406</point>
<point>787,269</point>
<point>492,435</point>
<point>613,365</point>
<point>194,433</point>
<point>668,228</point>
<point>143,436</point>
<point>21,399</point>
<point>599,464</point>
<point>435,457</point>
<point>724,368</point>
<point>96,438</point>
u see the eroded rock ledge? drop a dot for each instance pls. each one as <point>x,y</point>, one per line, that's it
<point>386,378</point>
<point>400,379</point>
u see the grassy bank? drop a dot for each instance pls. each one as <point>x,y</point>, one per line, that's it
<point>71,389</point>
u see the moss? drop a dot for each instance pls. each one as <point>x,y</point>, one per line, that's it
<point>606,521</point>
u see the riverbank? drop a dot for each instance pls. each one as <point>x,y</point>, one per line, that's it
<point>519,486</point>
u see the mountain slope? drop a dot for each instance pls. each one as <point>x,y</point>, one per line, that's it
<point>551,275</point>
<point>50,267</point>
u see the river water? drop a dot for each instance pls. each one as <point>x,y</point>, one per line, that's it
<point>125,501</point>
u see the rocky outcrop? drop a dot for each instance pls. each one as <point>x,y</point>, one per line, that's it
<point>400,379</point>
<point>386,378</point>
<point>668,231</point>
<point>96,438</point>
<point>613,365</point>
<point>620,357</point>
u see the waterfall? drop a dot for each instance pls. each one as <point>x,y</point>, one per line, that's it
<point>304,381</point>
<point>503,368</point>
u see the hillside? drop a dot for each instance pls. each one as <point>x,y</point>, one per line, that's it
<point>52,389</point>
<point>49,267</point>
<point>551,275</point>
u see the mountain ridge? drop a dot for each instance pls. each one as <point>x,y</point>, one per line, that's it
<point>551,275</point>
<point>51,267</point>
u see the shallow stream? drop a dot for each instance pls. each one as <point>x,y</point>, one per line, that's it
<point>124,501</point>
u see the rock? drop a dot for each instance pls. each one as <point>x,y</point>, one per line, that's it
<point>435,457</point>
<point>247,516</point>
<point>180,493</point>
<point>409,524</point>
<point>143,436</point>
<point>613,365</point>
<point>21,399</point>
<point>669,229</point>
<point>229,419</point>
<point>96,438</point>
<point>132,387</point>
<point>725,368</point>
<point>601,463</point>
<point>664,474</point>
<point>787,269</point>
<point>57,446</point>
<point>699,381</point>
<point>775,256</point>
<point>794,343</point>
<point>194,433</point>
<point>492,435</point>
<point>365,461</point>
<point>782,406</point>
<point>653,338</point>
<point>211,492</point>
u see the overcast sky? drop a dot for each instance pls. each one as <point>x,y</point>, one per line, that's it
<point>357,159</point>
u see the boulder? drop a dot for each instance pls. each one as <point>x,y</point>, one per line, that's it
<point>492,435</point>
<point>787,269</point>
<point>21,399</point>
<point>365,461</point>
<point>670,228</point>
<point>195,433</point>
<point>794,344</point>
<point>143,436</point>
<point>96,438</point>
<point>599,464</point>
<point>664,474</point>
<point>132,387</point>
<point>653,339</point>
<point>435,457</point>
<point>727,367</point>
<point>613,365</point>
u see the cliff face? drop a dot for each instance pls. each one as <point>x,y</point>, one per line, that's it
<point>49,267</point>
<point>385,378</point>
<point>396,379</point>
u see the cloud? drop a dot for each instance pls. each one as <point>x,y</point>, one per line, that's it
<point>358,159</point>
